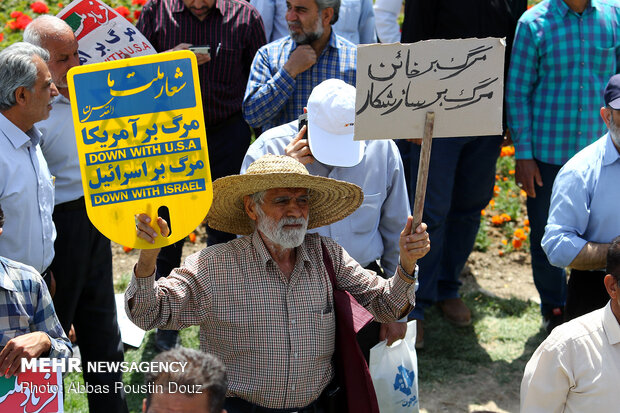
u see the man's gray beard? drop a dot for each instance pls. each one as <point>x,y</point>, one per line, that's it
<point>614,132</point>
<point>307,38</point>
<point>275,232</point>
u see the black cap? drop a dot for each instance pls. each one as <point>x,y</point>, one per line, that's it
<point>612,93</point>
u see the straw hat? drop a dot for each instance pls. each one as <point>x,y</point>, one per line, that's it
<point>330,200</point>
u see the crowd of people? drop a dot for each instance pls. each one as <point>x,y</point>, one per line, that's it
<point>305,199</point>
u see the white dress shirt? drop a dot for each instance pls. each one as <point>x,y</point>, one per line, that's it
<point>60,150</point>
<point>373,230</point>
<point>27,198</point>
<point>273,13</point>
<point>386,18</point>
<point>577,368</point>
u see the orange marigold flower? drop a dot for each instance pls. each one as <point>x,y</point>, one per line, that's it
<point>492,203</point>
<point>505,178</point>
<point>500,253</point>
<point>483,212</point>
<point>122,10</point>
<point>507,151</point>
<point>517,243</point>
<point>60,5</point>
<point>39,7</point>
<point>526,222</point>
<point>496,188</point>
<point>496,177</point>
<point>511,172</point>
<point>526,229</point>
<point>520,234</point>
<point>505,241</point>
<point>192,237</point>
<point>138,2</point>
<point>127,249</point>
<point>497,220</point>
<point>523,193</point>
<point>505,217</point>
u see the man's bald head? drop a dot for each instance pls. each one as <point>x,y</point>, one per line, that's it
<point>46,27</point>
<point>56,36</point>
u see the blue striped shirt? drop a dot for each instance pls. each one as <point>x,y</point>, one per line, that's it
<point>273,97</point>
<point>26,306</point>
<point>560,64</point>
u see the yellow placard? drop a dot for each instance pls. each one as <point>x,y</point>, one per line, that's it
<point>140,135</point>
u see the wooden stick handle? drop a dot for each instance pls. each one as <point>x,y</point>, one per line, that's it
<point>425,157</point>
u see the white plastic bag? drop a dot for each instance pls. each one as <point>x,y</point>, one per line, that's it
<point>394,372</point>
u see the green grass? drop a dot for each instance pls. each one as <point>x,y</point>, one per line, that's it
<point>501,339</point>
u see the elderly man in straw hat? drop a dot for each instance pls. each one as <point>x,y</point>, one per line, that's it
<point>264,302</point>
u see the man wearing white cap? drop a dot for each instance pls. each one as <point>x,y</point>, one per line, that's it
<point>264,302</point>
<point>368,235</point>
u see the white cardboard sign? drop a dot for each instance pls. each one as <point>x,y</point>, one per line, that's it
<point>462,81</point>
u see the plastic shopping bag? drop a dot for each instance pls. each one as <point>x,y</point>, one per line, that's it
<point>394,372</point>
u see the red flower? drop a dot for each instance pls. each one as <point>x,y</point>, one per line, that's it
<point>136,14</point>
<point>23,21</point>
<point>39,7</point>
<point>16,14</point>
<point>138,2</point>
<point>122,10</point>
<point>20,21</point>
<point>60,5</point>
<point>1,37</point>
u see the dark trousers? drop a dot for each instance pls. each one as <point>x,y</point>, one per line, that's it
<point>82,267</point>
<point>227,144</point>
<point>550,281</point>
<point>586,292</point>
<point>460,184</point>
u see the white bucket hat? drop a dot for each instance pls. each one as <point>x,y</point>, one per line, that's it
<point>331,121</point>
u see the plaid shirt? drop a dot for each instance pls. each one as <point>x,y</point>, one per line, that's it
<point>560,64</point>
<point>275,336</point>
<point>26,306</point>
<point>273,97</point>
<point>233,30</point>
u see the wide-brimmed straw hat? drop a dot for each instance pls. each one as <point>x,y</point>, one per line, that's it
<point>330,200</point>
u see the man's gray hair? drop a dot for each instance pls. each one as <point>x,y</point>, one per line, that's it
<point>202,369</point>
<point>54,26</point>
<point>258,197</point>
<point>17,69</point>
<point>334,4</point>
